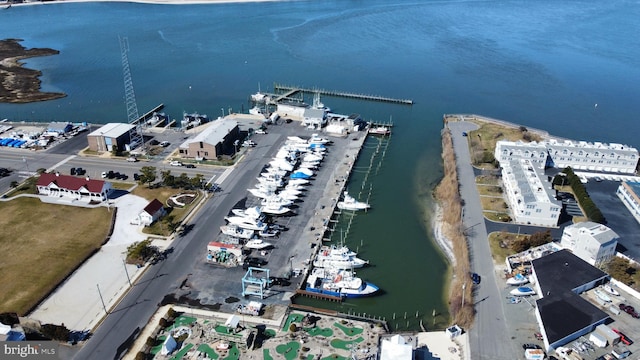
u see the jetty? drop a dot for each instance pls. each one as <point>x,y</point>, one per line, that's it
<point>149,113</point>
<point>286,91</point>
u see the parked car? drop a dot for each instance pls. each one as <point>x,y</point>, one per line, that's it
<point>104,174</point>
<point>248,143</point>
<point>175,163</point>
<point>475,278</point>
<point>190,166</point>
<point>464,133</point>
<point>165,143</point>
<point>73,171</point>
<point>132,159</point>
<point>531,346</point>
<point>80,171</point>
<point>136,176</point>
<point>623,337</point>
<point>260,131</point>
<point>255,260</point>
<point>629,310</point>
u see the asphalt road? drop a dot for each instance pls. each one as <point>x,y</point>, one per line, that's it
<point>489,337</point>
<point>185,277</point>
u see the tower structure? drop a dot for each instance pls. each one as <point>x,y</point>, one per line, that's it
<point>135,133</point>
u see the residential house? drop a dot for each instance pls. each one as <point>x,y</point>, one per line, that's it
<point>151,213</point>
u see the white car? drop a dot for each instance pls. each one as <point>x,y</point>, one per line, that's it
<point>165,144</point>
<point>104,174</point>
<point>260,131</point>
<point>175,163</point>
<point>247,143</point>
<point>132,159</point>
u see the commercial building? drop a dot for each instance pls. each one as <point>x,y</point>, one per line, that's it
<point>73,188</point>
<point>215,140</point>
<point>530,195</point>
<point>590,241</point>
<point>109,135</point>
<point>629,193</point>
<point>563,315</point>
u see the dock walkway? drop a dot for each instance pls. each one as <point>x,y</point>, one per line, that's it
<point>291,90</point>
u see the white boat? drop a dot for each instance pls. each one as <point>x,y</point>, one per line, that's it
<point>276,200</point>
<point>317,139</point>
<point>602,295</point>
<point>246,223</point>
<point>609,288</point>
<point>338,283</point>
<point>261,193</point>
<point>338,257</point>
<point>276,171</point>
<point>236,231</point>
<point>268,233</point>
<point>257,244</point>
<point>288,195</point>
<point>253,213</point>
<point>350,203</point>
<point>517,280</point>
<point>281,164</point>
<point>298,181</point>
<point>522,291</point>
<point>380,130</point>
<point>290,191</point>
<point>256,110</point>
<point>275,209</point>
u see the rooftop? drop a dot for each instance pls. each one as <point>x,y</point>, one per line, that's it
<point>70,182</point>
<point>112,130</point>
<point>214,133</point>
<point>599,232</point>
<point>563,271</point>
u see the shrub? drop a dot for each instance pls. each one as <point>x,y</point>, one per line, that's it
<point>171,313</point>
<point>293,328</point>
<point>55,332</point>
<point>163,323</point>
<point>141,356</point>
<point>151,341</point>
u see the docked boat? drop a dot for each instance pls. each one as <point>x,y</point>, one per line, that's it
<point>276,200</point>
<point>523,291</point>
<point>317,139</point>
<point>517,280</point>
<point>246,223</point>
<point>298,182</point>
<point>339,283</point>
<point>253,213</point>
<point>338,257</point>
<point>350,203</point>
<point>256,110</point>
<point>609,289</point>
<point>602,295</point>
<point>236,231</point>
<point>261,193</point>
<point>193,120</point>
<point>257,244</point>
<point>380,130</point>
<point>300,175</point>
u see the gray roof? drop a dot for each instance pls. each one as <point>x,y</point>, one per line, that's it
<point>214,133</point>
<point>601,233</point>
<point>314,113</point>
<point>112,130</point>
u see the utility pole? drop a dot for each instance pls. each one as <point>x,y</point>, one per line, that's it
<point>101,299</point>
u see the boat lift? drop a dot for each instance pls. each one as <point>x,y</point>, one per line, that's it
<point>255,284</point>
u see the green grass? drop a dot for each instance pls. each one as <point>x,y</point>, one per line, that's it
<point>211,354</point>
<point>349,331</point>
<point>344,344</point>
<point>163,194</point>
<point>40,244</point>
<point>158,346</point>
<point>234,353</point>
<point>498,242</point>
<point>182,352</point>
<point>266,355</point>
<point>288,350</point>
<point>292,318</point>
<point>335,357</point>
<point>315,331</point>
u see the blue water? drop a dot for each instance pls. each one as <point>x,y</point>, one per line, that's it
<point>544,64</point>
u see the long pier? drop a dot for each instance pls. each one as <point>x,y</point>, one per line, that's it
<point>149,113</point>
<point>290,90</point>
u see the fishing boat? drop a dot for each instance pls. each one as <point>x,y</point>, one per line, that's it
<point>338,257</point>
<point>602,295</point>
<point>523,291</point>
<point>257,244</point>
<point>275,209</point>
<point>297,182</point>
<point>380,130</point>
<point>256,110</point>
<point>609,288</point>
<point>236,231</point>
<point>253,213</point>
<point>517,280</point>
<point>350,203</point>
<point>261,193</point>
<point>339,283</point>
<point>317,139</point>
<point>246,223</point>
<point>300,175</point>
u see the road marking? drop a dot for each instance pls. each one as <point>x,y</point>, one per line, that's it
<point>60,163</point>
<point>222,177</point>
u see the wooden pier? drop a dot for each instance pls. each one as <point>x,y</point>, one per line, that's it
<point>150,113</point>
<point>315,295</point>
<point>290,90</point>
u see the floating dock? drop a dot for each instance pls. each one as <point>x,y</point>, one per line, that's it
<point>291,90</point>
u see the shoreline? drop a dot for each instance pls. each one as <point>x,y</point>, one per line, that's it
<point>444,243</point>
<point>10,4</point>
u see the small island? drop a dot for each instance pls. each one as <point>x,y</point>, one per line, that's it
<point>19,84</point>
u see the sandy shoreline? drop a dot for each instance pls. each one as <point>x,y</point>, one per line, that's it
<point>443,242</point>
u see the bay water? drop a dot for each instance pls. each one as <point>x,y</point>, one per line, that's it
<point>543,64</point>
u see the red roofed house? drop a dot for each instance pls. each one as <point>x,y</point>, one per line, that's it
<point>152,212</point>
<point>74,188</point>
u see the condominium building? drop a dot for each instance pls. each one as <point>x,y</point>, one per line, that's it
<point>629,193</point>
<point>530,196</point>
<point>592,242</point>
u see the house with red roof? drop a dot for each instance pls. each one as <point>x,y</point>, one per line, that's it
<point>152,212</point>
<point>73,188</point>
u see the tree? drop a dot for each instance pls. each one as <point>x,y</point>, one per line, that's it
<point>167,178</point>
<point>148,175</point>
<point>114,150</point>
<point>197,181</point>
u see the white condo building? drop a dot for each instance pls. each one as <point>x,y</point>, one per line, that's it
<point>530,196</point>
<point>629,193</point>
<point>579,155</point>
<point>590,241</point>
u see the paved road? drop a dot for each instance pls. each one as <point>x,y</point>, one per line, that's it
<point>489,337</point>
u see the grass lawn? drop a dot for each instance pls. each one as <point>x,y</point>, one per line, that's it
<point>490,190</point>
<point>40,244</point>
<point>288,350</point>
<point>348,330</point>
<point>485,138</point>
<point>487,180</point>
<point>162,194</point>
<point>493,203</point>
<point>498,242</point>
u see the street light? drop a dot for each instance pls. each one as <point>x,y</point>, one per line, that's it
<point>464,286</point>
